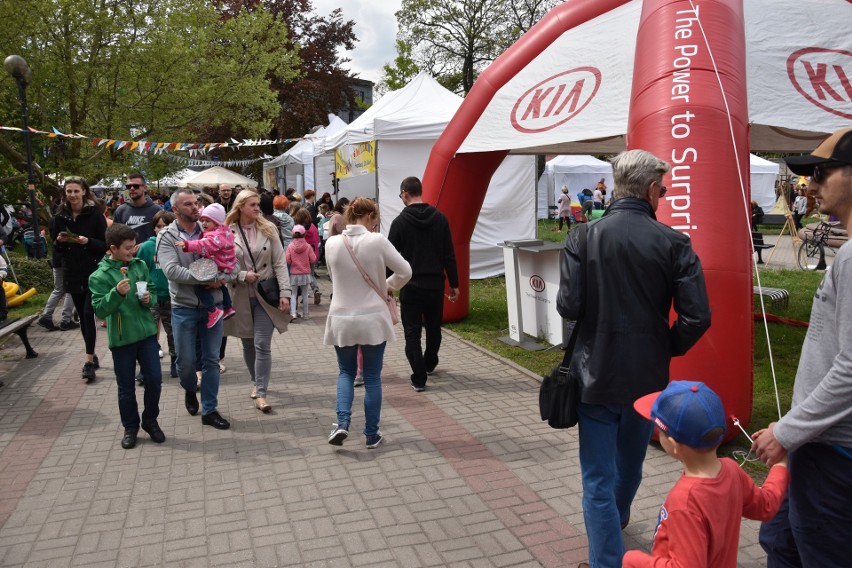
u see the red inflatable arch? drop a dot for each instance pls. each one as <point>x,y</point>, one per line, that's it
<point>699,129</point>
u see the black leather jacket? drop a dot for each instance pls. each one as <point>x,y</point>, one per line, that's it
<point>637,268</point>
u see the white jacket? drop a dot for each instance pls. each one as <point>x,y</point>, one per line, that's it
<point>357,315</point>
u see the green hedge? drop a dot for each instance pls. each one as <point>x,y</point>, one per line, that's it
<point>31,273</point>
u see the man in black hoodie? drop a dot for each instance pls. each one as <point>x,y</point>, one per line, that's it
<point>422,236</point>
<point>138,212</point>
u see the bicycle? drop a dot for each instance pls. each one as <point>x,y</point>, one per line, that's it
<point>825,236</point>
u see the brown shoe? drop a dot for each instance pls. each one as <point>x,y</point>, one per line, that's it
<point>262,405</point>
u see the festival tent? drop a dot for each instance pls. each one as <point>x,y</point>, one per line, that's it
<point>214,176</point>
<point>763,174</point>
<point>171,180</point>
<point>305,166</point>
<point>405,125</point>
<point>575,171</point>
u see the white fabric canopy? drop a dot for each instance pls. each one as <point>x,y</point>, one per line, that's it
<point>576,172</point>
<point>172,179</point>
<point>763,176</point>
<point>304,166</point>
<point>405,125</point>
<point>215,176</point>
<point>796,94</point>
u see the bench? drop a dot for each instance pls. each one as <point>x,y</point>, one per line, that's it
<point>775,219</point>
<point>758,245</point>
<point>779,297</point>
<point>19,327</point>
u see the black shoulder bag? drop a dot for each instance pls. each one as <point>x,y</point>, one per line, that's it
<point>266,289</point>
<point>559,394</point>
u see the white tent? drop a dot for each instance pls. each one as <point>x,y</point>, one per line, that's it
<point>171,180</point>
<point>796,83</point>
<point>576,172</point>
<point>214,176</point>
<point>763,176</point>
<point>406,123</point>
<point>305,166</point>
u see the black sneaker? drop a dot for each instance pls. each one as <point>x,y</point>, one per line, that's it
<point>418,388</point>
<point>129,439</point>
<point>96,361</point>
<point>339,433</point>
<point>374,440</point>
<point>68,325</point>
<point>47,324</point>
<point>89,372</point>
<point>140,379</point>
<point>153,430</point>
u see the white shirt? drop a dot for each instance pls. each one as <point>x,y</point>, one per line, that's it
<point>357,315</point>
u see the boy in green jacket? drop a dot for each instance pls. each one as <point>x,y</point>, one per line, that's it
<point>120,295</point>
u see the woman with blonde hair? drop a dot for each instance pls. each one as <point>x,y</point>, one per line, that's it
<point>359,315</point>
<point>260,257</point>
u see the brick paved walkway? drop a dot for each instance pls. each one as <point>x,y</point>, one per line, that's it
<point>468,475</point>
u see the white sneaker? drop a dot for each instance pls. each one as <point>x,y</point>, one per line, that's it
<point>222,368</point>
<point>161,354</point>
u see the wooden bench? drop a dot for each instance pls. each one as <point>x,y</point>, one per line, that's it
<point>758,245</point>
<point>19,327</point>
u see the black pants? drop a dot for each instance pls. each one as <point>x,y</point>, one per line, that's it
<point>419,308</point>
<point>4,309</point>
<point>83,305</point>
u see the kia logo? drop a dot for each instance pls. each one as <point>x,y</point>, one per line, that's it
<point>537,283</point>
<point>824,77</point>
<point>556,100</point>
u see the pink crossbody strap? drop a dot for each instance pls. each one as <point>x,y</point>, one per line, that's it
<point>361,268</point>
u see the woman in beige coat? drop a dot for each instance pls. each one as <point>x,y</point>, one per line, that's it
<point>260,256</point>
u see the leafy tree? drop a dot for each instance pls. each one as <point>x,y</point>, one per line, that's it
<point>163,70</point>
<point>456,39</point>
<point>403,69</point>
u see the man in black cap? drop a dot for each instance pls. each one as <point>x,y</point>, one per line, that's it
<point>815,521</point>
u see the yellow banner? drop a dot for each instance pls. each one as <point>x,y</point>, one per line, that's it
<point>352,160</point>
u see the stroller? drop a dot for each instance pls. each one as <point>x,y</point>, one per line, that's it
<point>30,244</point>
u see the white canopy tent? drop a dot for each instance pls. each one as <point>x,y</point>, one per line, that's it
<point>214,176</point>
<point>406,123</point>
<point>576,172</point>
<point>795,91</point>
<point>763,176</point>
<point>305,166</point>
<point>171,180</point>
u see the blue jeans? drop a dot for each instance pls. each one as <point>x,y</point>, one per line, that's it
<point>124,359</point>
<point>347,362</point>
<point>205,296</point>
<point>813,526</point>
<point>613,442</point>
<point>190,328</point>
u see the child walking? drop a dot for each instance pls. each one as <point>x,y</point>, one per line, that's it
<point>216,243</point>
<point>699,523</point>
<point>300,257</point>
<point>122,294</point>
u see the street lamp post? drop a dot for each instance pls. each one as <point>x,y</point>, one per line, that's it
<point>17,67</point>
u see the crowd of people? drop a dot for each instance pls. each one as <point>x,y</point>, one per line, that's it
<point>148,267</point>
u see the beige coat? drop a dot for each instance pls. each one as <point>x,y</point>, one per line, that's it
<point>269,257</point>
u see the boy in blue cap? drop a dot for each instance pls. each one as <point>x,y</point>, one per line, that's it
<point>699,523</point>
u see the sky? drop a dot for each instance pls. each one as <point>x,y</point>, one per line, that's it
<point>375,28</point>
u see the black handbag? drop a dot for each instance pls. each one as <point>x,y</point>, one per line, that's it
<point>560,391</point>
<point>267,289</point>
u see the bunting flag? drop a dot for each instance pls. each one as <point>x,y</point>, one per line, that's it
<point>224,163</point>
<point>144,147</point>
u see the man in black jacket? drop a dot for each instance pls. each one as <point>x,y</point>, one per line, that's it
<point>422,236</point>
<point>636,269</point>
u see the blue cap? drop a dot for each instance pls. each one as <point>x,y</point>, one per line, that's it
<point>688,411</point>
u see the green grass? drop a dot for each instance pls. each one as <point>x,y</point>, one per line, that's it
<point>488,320</point>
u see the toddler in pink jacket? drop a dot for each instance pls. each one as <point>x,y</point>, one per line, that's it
<point>217,244</point>
<point>300,257</point>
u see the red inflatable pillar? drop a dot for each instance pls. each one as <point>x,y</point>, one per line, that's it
<point>680,113</point>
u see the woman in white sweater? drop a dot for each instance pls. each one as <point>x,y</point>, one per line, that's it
<point>358,315</point>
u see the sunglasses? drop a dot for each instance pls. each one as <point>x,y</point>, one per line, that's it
<point>822,171</point>
<point>132,186</point>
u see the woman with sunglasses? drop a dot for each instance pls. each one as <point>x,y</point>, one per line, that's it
<point>78,233</point>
